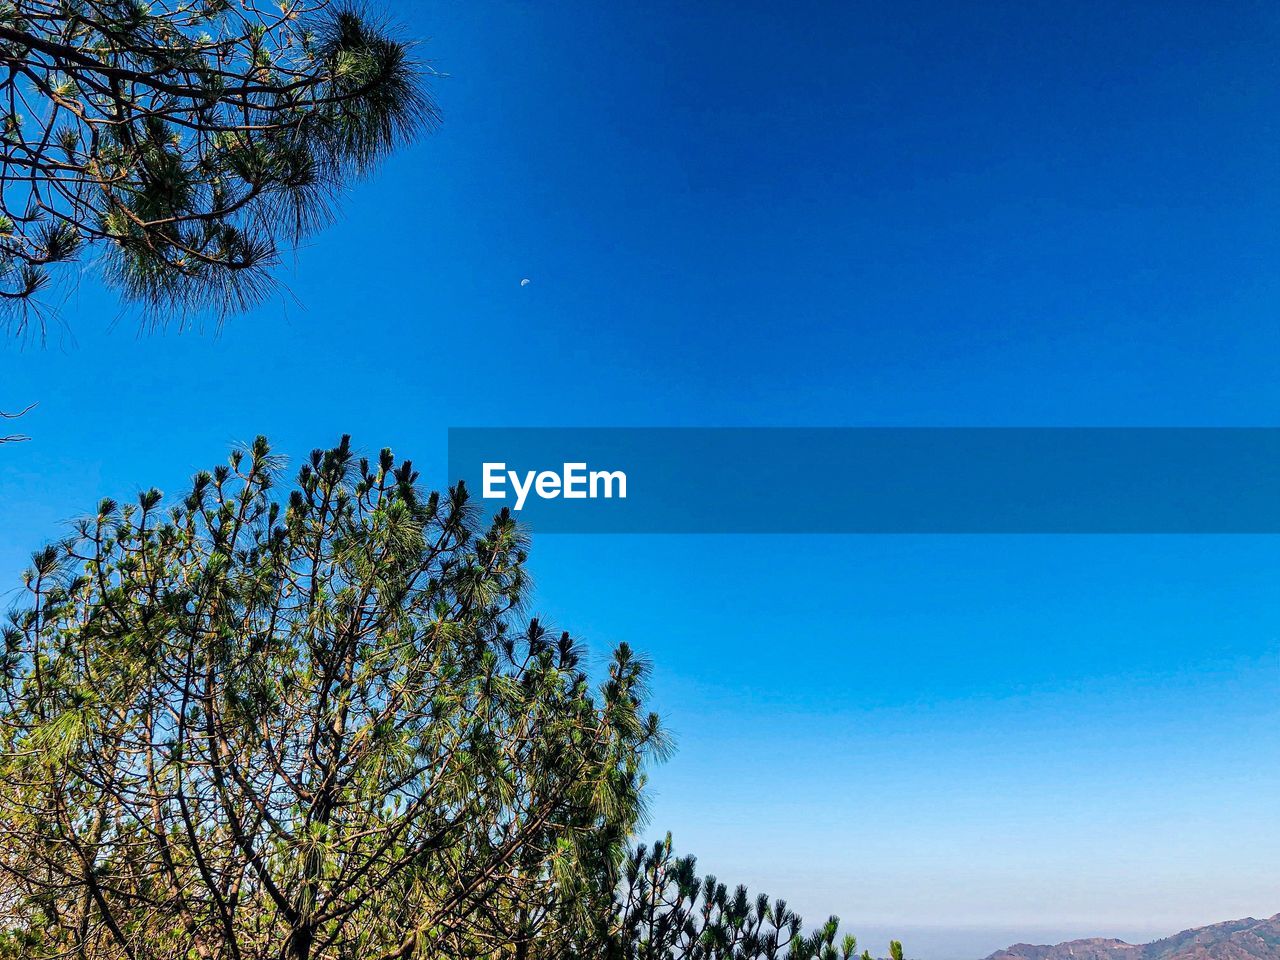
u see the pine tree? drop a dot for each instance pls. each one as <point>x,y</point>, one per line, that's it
<point>316,726</point>
<point>185,140</point>
<point>253,727</point>
<point>663,910</point>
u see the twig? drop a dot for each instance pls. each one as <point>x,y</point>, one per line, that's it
<point>15,437</point>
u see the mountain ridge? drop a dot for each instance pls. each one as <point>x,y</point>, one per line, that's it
<point>1244,939</point>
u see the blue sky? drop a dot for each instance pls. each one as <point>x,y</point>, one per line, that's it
<point>814,214</point>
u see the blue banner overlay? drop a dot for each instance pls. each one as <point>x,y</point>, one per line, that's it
<point>873,480</point>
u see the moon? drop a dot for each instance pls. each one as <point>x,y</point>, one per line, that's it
<point>524,282</point>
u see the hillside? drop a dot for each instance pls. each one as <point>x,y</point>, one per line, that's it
<point>1246,939</point>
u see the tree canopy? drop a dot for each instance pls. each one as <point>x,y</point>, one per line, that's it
<point>319,724</point>
<point>245,729</point>
<point>183,141</point>
<point>664,910</point>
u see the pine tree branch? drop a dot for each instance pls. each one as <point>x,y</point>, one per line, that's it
<point>15,437</point>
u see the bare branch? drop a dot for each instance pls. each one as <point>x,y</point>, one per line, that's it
<point>15,437</point>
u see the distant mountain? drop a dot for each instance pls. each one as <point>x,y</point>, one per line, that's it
<point>1247,939</point>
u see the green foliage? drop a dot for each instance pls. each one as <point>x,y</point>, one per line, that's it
<point>185,141</point>
<point>259,724</point>
<point>307,726</point>
<point>663,910</point>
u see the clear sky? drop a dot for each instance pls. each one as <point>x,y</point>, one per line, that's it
<point>815,214</point>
